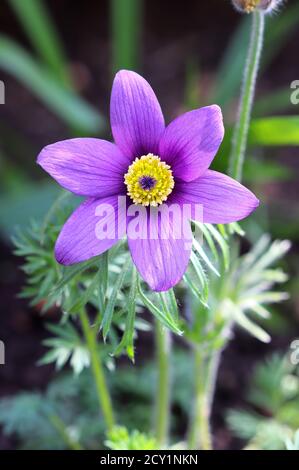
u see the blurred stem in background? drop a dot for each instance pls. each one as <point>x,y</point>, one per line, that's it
<point>126,27</point>
<point>40,29</point>
<point>64,433</point>
<point>240,137</point>
<point>98,372</point>
<point>163,349</point>
<point>199,435</point>
<point>47,74</point>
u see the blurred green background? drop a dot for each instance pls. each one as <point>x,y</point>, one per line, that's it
<point>57,61</point>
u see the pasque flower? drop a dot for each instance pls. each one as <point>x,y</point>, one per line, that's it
<point>152,165</point>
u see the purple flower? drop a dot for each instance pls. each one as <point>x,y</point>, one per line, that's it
<point>152,165</point>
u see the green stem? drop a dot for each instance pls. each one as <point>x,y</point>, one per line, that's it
<point>206,368</point>
<point>212,374</point>
<point>126,27</point>
<point>247,96</point>
<point>199,434</point>
<point>163,346</point>
<point>63,432</point>
<point>98,372</point>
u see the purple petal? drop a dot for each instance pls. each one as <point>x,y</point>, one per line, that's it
<point>87,167</point>
<point>136,118</point>
<point>191,141</point>
<point>161,260</point>
<point>79,238</point>
<point>224,200</point>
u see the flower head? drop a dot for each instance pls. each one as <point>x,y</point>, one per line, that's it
<point>248,6</point>
<point>153,167</point>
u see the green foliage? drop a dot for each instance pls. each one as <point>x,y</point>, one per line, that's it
<point>120,439</point>
<point>271,419</point>
<point>112,299</point>
<point>211,254</point>
<point>66,345</point>
<point>66,414</point>
<point>275,131</point>
<point>157,306</point>
<point>73,110</point>
<point>248,288</point>
<point>273,102</point>
<point>39,266</point>
<point>36,246</point>
<point>263,171</point>
<point>35,19</point>
<point>127,341</point>
<point>240,296</point>
<point>31,416</point>
<point>126,24</point>
<point>107,285</point>
<point>47,75</point>
<point>80,286</point>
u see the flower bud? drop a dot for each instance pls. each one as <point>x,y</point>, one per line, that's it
<point>248,6</point>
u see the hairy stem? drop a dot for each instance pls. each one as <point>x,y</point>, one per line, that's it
<point>98,372</point>
<point>206,368</point>
<point>163,346</point>
<point>212,375</point>
<point>240,136</point>
<point>199,433</point>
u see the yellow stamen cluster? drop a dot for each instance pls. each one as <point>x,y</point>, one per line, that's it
<point>149,168</point>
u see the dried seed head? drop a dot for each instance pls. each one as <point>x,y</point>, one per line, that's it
<point>248,6</point>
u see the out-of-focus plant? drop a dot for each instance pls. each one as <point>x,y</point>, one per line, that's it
<point>66,416</point>
<point>126,27</point>
<point>47,75</point>
<point>120,439</point>
<point>271,420</point>
<point>293,445</point>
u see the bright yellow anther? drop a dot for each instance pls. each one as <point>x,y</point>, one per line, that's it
<point>149,181</point>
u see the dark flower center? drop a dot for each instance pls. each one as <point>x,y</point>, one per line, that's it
<point>147,182</point>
